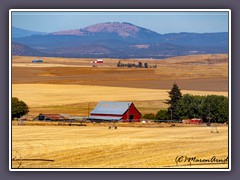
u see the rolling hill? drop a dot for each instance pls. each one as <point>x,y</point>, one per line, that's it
<point>23,50</point>
<point>18,32</point>
<point>124,40</point>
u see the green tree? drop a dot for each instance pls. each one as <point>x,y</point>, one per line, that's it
<point>19,108</point>
<point>189,106</point>
<point>145,65</point>
<point>140,64</point>
<point>119,64</point>
<point>162,115</point>
<point>175,95</point>
<point>205,107</point>
<point>216,108</point>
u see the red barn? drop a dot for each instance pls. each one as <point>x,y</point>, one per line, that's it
<point>196,121</point>
<point>98,61</point>
<point>115,111</point>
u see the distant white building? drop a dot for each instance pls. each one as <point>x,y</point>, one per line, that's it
<point>98,61</point>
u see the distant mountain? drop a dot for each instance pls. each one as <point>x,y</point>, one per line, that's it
<point>197,39</point>
<point>124,30</point>
<point>18,32</point>
<point>23,50</point>
<point>124,40</point>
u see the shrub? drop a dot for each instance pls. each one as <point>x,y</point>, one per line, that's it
<point>162,115</point>
<point>149,116</point>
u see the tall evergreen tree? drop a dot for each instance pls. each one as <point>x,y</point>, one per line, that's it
<point>175,95</point>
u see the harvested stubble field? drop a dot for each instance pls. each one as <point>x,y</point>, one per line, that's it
<point>126,147</point>
<point>72,86</point>
<point>67,98</point>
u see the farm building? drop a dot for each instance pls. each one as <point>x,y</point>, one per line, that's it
<point>98,61</point>
<point>115,111</point>
<point>186,121</point>
<point>37,61</point>
<point>196,121</point>
<point>53,117</point>
<point>192,121</point>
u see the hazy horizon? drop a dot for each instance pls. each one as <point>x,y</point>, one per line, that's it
<point>160,22</point>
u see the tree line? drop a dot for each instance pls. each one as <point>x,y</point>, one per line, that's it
<point>211,108</point>
<point>136,65</point>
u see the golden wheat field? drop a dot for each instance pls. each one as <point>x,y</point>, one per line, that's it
<point>47,96</point>
<point>125,147</point>
<point>72,86</point>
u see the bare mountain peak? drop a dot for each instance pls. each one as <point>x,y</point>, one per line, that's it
<point>122,29</point>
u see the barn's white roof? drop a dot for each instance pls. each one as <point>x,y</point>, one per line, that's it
<point>114,108</point>
<point>106,118</point>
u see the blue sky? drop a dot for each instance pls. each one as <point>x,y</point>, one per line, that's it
<point>161,22</point>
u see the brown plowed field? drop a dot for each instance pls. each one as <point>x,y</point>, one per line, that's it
<point>208,73</point>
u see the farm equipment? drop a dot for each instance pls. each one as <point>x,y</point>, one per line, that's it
<point>112,125</point>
